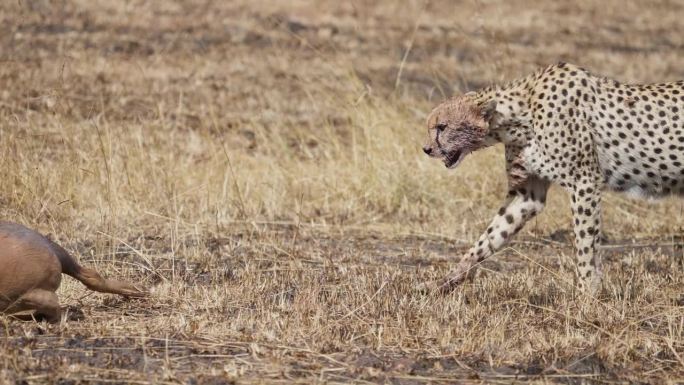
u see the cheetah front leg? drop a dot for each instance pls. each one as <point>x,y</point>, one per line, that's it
<point>586,212</point>
<point>525,200</point>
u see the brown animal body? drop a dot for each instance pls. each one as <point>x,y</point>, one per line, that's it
<point>31,268</point>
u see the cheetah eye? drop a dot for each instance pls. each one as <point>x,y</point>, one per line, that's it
<point>440,126</point>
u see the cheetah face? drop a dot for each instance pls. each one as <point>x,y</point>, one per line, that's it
<point>456,128</point>
<point>450,143</point>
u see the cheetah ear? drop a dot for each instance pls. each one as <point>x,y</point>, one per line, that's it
<point>488,110</point>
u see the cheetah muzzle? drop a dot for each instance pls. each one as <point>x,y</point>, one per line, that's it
<point>566,126</point>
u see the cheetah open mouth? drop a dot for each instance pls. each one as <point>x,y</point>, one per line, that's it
<point>452,160</point>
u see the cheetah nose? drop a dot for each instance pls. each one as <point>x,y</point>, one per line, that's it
<point>427,150</point>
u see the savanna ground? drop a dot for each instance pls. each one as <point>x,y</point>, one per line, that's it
<point>257,165</point>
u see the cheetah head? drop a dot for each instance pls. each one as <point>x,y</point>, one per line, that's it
<point>456,128</point>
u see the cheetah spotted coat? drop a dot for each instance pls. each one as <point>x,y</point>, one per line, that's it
<point>566,126</point>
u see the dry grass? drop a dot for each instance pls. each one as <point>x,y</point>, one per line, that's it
<point>258,166</point>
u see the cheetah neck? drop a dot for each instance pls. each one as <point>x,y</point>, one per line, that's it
<point>512,123</point>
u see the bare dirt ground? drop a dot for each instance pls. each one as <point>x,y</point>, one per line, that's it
<point>257,165</point>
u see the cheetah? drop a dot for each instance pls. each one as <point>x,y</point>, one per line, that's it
<point>564,125</point>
